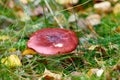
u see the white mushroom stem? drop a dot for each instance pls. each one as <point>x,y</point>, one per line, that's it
<point>52,13</point>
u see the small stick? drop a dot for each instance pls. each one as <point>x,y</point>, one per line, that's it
<point>90,27</point>
<point>53,14</point>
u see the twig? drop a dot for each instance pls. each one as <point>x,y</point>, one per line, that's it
<point>53,14</point>
<point>75,6</point>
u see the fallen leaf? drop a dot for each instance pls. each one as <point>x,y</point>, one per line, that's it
<point>28,52</point>
<point>116,67</point>
<point>108,76</point>
<point>67,78</point>
<point>82,24</point>
<point>39,11</point>
<point>24,1</point>
<point>85,25</point>
<point>11,4</point>
<point>116,9</point>
<point>11,61</point>
<point>104,6</point>
<point>99,72</point>
<point>4,37</point>
<point>96,71</point>
<point>72,18</point>
<point>75,73</point>
<point>91,72</point>
<point>117,29</point>
<point>94,19</point>
<point>48,75</point>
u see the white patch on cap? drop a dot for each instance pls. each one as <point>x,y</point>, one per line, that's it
<point>58,45</point>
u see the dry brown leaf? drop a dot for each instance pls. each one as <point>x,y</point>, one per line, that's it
<point>117,29</point>
<point>104,6</point>
<point>75,73</point>
<point>39,11</point>
<point>85,26</point>
<point>116,9</point>
<point>94,19</point>
<point>11,4</point>
<point>82,24</point>
<point>28,52</point>
<point>108,76</point>
<point>96,71</point>
<point>24,1</point>
<point>116,67</point>
<point>11,61</point>
<point>48,75</point>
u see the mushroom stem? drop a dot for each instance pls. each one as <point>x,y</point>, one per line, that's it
<point>53,14</point>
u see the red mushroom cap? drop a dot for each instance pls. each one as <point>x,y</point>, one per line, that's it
<point>52,41</point>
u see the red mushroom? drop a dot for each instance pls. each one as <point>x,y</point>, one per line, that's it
<point>52,41</point>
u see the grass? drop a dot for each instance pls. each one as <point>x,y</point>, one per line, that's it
<point>106,56</point>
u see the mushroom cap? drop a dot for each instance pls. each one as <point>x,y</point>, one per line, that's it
<point>52,41</point>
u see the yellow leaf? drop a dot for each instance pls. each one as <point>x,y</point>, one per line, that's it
<point>11,61</point>
<point>48,75</point>
<point>28,52</point>
<point>4,37</point>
